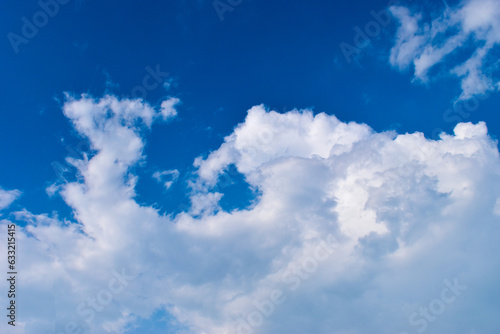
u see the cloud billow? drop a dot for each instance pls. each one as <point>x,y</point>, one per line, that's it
<point>347,224</point>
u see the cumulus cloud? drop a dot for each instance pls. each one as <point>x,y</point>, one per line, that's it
<point>168,109</point>
<point>348,224</point>
<point>469,31</point>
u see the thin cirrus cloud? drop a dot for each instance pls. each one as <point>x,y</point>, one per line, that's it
<point>463,39</point>
<point>347,224</point>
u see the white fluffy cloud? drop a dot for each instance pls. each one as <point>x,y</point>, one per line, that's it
<point>348,224</point>
<point>468,31</point>
<point>168,109</point>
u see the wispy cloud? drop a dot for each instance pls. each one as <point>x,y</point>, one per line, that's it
<point>7,197</point>
<point>470,30</point>
<point>167,177</point>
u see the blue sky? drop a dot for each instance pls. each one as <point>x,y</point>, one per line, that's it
<point>240,132</point>
<point>283,54</point>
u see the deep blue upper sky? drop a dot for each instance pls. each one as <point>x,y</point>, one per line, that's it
<point>284,54</point>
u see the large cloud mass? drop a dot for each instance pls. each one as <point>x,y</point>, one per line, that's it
<point>464,39</point>
<point>351,231</point>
